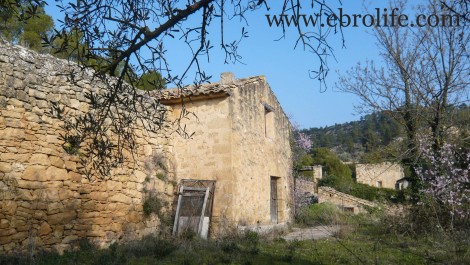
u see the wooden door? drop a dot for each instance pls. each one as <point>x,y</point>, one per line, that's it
<point>274,206</point>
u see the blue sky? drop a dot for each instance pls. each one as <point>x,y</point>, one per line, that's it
<point>287,69</point>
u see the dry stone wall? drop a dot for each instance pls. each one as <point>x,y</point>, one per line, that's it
<point>343,200</point>
<point>45,201</point>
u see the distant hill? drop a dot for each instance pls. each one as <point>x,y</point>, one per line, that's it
<point>362,140</point>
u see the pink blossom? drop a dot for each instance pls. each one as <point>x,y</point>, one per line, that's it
<point>446,178</point>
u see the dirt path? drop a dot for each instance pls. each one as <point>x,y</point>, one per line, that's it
<point>310,233</point>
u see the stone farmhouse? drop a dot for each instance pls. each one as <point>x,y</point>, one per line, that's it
<point>234,172</point>
<point>383,175</point>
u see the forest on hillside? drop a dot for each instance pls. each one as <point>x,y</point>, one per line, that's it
<point>377,136</point>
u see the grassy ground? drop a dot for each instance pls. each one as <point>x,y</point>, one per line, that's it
<point>362,240</point>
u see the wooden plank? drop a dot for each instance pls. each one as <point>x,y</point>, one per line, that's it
<point>175,225</point>
<point>194,194</point>
<point>274,206</point>
<point>201,219</point>
<point>194,189</point>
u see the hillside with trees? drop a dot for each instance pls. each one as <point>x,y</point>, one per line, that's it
<point>377,137</point>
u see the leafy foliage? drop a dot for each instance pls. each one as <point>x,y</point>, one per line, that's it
<point>363,191</point>
<point>151,81</point>
<point>331,164</point>
<point>25,22</point>
<point>445,175</point>
<point>377,137</point>
<point>153,204</point>
<point>352,140</point>
<point>320,214</point>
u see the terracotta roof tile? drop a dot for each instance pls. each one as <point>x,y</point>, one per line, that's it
<point>206,89</point>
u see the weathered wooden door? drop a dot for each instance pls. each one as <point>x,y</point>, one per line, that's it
<point>274,217</point>
<point>193,211</point>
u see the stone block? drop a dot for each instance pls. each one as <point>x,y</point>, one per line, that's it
<point>40,215</point>
<point>67,194</point>
<point>19,236</point>
<point>4,223</point>
<point>15,102</point>
<point>34,173</point>
<point>9,207</point>
<point>61,218</point>
<point>21,95</point>
<point>96,233</point>
<point>12,134</point>
<point>4,240</point>
<point>120,198</point>
<point>32,117</point>
<point>116,227</point>
<point>75,104</point>
<point>72,204</point>
<point>7,232</point>
<point>55,207</point>
<point>70,239</point>
<point>113,185</point>
<point>27,195</point>
<point>55,173</point>
<point>134,217</point>
<point>49,240</point>
<point>49,195</point>
<point>140,176</point>
<point>70,165</point>
<point>37,94</point>
<point>73,176</point>
<point>39,159</point>
<point>5,167</point>
<point>37,110</point>
<point>98,196</point>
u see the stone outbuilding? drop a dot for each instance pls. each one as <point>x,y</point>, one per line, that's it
<point>383,175</point>
<point>235,169</point>
<point>241,142</point>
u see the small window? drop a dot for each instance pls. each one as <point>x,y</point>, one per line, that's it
<point>268,123</point>
<point>379,184</point>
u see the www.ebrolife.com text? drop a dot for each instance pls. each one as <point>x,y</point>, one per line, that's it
<point>380,18</point>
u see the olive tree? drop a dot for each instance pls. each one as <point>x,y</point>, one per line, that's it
<point>131,40</point>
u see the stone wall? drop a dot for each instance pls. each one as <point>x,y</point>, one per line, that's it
<point>343,200</point>
<point>312,173</point>
<point>46,203</point>
<point>230,146</point>
<point>384,175</point>
<point>44,200</point>
<point>207,155</point>
<point>308,186</point>
<point>261,150</point>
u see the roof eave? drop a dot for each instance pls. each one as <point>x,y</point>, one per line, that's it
<point>189,99</point>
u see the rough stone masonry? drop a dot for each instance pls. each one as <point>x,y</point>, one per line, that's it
<point>44,200</point>
<point>241,141</point>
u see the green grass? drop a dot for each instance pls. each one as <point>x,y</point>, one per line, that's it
<point>363,246</point>
<point>363,239</point>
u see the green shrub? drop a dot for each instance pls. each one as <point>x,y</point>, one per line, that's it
<point>153,204</point>
<point>161,176</point>
<point>320,214</point>
<point>252,240</point>
<point>370,193</point>
<point>360,190</point>
<point>154,246</point>
<point>331,163</point>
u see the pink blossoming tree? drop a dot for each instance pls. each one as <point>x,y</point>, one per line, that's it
<point>445,177</point>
